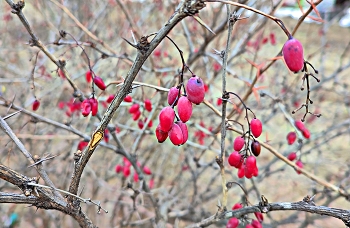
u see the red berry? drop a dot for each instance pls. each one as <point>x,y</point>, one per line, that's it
<point>146,170</point>
<point>300,165</point>
<point>126,171</point>
<point>61,105</point>
<point>249,226</point>
<point>151,183</point>
<point>291,137</point>
<point>161,135</point>
<point>184,108</point>
<point>299,125</point>
<point>166,118</point>
<point>99,83</point>
<point>134,108</point>
<point>94,106</point>
<point>306,133</point>
<point>256,148</point>
<point>136,177</point>
<point>126,162</point>
<point>176,135</point>
<point>136,115</point>
<point>172,95</point>
<point>293,54</point>
<point>118,168</point>
<point>235,159</point>
<point>82,145</point>
<point>259,216</point>
<point>148,105</point>
<point>35,105</point>
<point>238,143</point>
<point>128,98</point>
<point>272,38</point>
<point>250,166</point>
<point>184,130</point>
<point>88,76</point>
<point>265,40</point>
<point>292,156</point>
<point>61,73</point>
<point>240,172</point>
<point>150,123</point>
<point>110,98</point>
<point>219,101</point>
<point>140,124</point>
<point>232,223</point>
<point>237,206</point>
<point>195,90</point>
<point>157,53</point>
<point>86,107</point>
<point>256,224</point>
<point>256,127</point>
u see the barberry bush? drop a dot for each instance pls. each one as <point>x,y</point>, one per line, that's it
<point>173,114</point>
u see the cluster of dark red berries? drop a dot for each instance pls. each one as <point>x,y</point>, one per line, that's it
<point>291,138</point>
<point>177,131</point>
<point>239,158</point>
<point>125,169</point>
<point>234,222</point>
<point>135,111</point>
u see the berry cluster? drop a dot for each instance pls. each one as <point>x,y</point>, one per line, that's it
<point>135,111</point>
<point>89,106</point>
<point>234,222</point>
<point>125,168</point>
<point>240,158</point>
<point>178,132</point>
<point>291,138</point>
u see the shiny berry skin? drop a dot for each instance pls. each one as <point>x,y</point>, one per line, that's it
<point>94,106</point>
<point>184,109</point>
<point>134,108</point>
<point>256,224</point>
<point>128,99</point>
<point>240,172</point>
<point>146,170</point>
<point>86,107</point>
<point>88,76</point>
<point>148,105</point>
<point>250,166</point>
<point>195,90</point>
<point>238,143</point>
<point>306,133</point>
<point>300,165</point>
<point>299,125</point>
<point>259,216</point>
<point>110,98</point>
<point>176,135</point>
<point>136,115</point>
<point>99,83</point>
<point>293,55</point>
<point>235,159</point>
<point>232,223</point>
<point>249,226</point>
<point>256,148</point>
<point>172,95</point>
<point>292,156</point>
<point>126,162</point>
<point>140,124</point>
<point>291,137</point>
<point>126,171</point>
<point>166,118</point>
<point>184,130</point>
<point>161,135</point>
<point>256,127</point>
<point>118,168</point>
<point>35,105</point>
<point>237,206</point>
